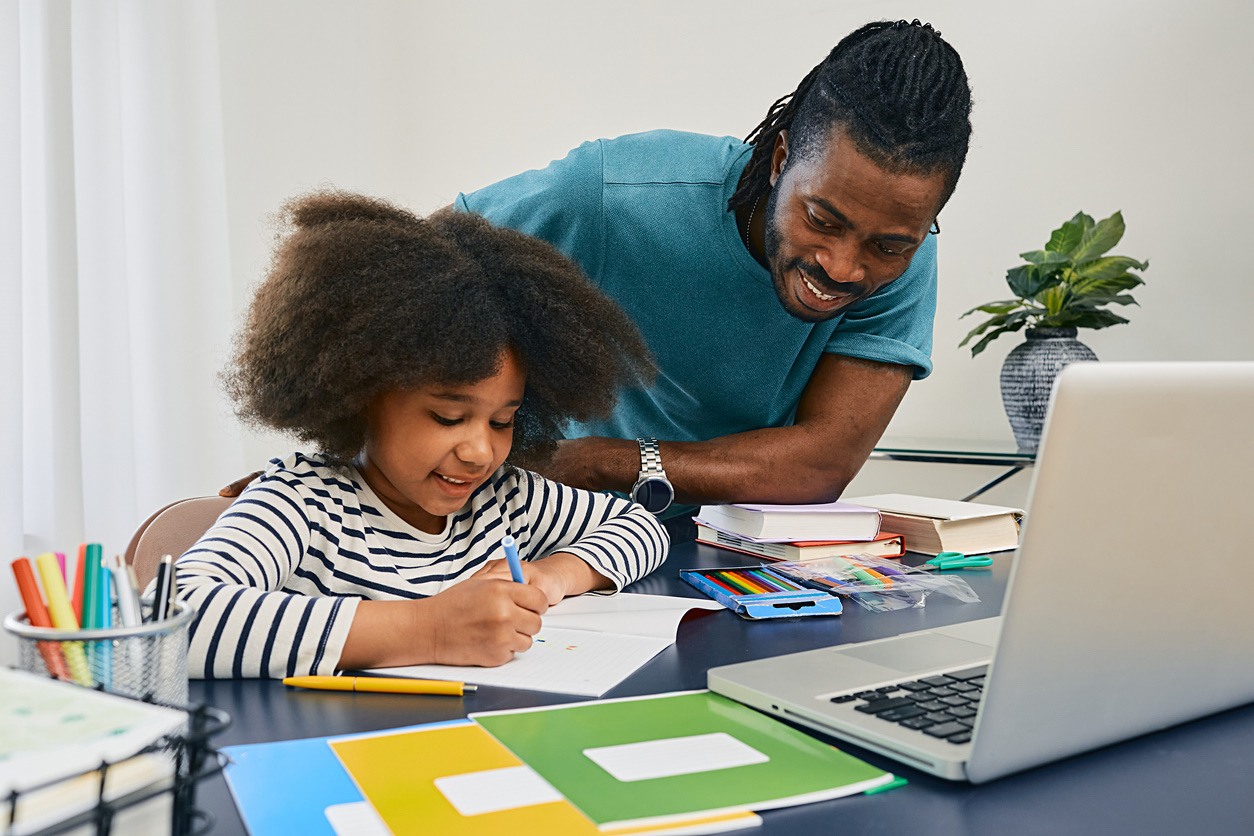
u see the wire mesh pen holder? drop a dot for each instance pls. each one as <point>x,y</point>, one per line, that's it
<point>146,662</point>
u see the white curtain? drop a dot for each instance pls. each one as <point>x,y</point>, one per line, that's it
<point>116,296</point>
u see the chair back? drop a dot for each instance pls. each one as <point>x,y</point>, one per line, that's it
<point>172,530</point>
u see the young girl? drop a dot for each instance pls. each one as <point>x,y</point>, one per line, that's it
<point>417,356</point>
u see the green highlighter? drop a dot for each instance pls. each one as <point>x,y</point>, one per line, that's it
<point>958,560</point>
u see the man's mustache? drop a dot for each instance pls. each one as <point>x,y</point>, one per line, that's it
<point>818,276</point>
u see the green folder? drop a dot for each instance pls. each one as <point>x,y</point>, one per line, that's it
<point>791,768</point>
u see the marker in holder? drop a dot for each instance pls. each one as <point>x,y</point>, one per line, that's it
<point>146,661</point>
<point>755,592</point>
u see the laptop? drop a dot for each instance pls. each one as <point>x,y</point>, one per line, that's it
<point>1127,608</point>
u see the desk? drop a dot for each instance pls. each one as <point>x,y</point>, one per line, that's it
<point>1192,779</point>
<point>953,451</point>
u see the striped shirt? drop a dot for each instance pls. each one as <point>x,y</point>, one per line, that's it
<point>276,581</point>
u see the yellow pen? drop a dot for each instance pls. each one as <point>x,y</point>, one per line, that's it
<point>380,685</point>
<point>62,615</point>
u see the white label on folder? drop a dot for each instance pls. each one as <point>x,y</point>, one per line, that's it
<point>674,756</point>
<point>355,818</point>
<point>496,789</point>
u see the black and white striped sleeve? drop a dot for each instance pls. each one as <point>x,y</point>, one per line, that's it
<point>615,536</point>
<point>245,626</point>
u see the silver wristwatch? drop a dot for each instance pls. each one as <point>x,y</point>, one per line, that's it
<point>652,489</point>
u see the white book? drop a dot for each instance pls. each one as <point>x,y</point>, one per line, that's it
<point>790,523</point>
<point>937,509</point>
<point>932,525</point>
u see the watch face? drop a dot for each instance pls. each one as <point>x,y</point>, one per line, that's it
<point>654,494</point>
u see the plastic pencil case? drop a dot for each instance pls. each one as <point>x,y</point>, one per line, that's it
<point>788,603</point>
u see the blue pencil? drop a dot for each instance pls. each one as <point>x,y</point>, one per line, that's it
<point>511,557</point>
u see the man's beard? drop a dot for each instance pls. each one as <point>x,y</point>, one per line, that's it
<point>781,272</point>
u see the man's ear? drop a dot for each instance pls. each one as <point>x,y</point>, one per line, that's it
<point>779,155</point>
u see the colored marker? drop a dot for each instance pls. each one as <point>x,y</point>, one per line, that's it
<point>80,571</point>
<point>380,685</point>
<point>886,581</point>
<point>37,615</point>
<point>164,592</point>
<point>104,620</point>
<point>61,566</point>
<point>857,572</point>
<point>63,617</point>
<point>511,557</point>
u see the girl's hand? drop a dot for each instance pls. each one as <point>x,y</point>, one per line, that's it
<point>481,621</point>
<point>540,574</point>
<point>484,620</point>
<point>559,575</point>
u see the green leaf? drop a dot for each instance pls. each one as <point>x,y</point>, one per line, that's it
<point>1026,281</point>
<point>992,335</point>
<point>981,328</point>
<point>1098,240</point>
<point>1067,237</point>
<point>1095,302</point>
<point>1098,319</point>
<point>1109,267</point>
<point>1054,299</point>
<point>996,307</point>
<point>1044,258</point>
<point>1106,287</point>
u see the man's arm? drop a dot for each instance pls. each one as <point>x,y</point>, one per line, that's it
<point>841,415</point>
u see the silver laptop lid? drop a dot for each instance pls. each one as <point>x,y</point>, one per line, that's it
<point>1128,607</point>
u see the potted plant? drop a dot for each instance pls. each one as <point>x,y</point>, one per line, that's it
<point>1058,290</point>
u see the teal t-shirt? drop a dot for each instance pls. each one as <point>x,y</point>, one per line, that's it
<point>646,217</point>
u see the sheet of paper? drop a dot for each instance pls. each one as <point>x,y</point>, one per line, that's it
<point>492,790</point>
<point>560,661</point>
<point>674,756</point>
<point>586,645</point>
<point>634,615</point>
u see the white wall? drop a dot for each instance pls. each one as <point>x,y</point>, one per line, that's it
<point>1139,106</point>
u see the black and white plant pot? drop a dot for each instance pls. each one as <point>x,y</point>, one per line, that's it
<point>1027,377</point>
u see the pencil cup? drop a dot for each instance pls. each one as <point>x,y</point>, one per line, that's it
<point>148,662</point>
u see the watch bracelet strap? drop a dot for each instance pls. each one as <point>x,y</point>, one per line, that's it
<point>650,457</point>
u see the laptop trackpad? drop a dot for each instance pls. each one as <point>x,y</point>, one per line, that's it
<point>924,652</point>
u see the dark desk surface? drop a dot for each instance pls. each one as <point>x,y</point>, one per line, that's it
<point>1197,778</point>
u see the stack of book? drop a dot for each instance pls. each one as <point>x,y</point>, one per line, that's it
<point>932,526</point>
<point>790,523</point>
<point>886,544</point>
<point>797,532</point>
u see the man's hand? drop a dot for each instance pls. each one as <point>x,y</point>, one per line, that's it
<point>595,463</point>
<point>237,487</point>
<point>841,415</point>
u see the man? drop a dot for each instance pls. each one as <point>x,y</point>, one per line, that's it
<point>787,286</point>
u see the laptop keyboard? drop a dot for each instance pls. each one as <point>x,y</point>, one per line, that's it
<point>942,706</point>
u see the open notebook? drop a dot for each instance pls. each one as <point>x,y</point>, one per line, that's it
<point>586,646</point>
